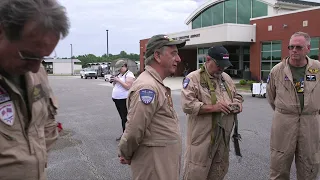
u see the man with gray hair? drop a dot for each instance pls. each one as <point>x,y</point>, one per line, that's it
<point>151,142</point>
<point>292,90</point>
<point>29,31</point>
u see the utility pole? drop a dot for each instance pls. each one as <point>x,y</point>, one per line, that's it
<point>107,43</point>
<point>71,60</point>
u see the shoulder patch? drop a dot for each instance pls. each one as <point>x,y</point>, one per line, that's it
<point>186,82</point>
<point>147,95</point>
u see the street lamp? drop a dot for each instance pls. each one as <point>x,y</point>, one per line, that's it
<point>71,60</point>
<point>107,43</point>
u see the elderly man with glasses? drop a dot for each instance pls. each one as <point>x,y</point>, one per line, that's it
<point>211,102</point>
<point>292,90</point>
<point>29,31</point>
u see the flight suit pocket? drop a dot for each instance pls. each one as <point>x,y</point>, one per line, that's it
<point>7,141</point>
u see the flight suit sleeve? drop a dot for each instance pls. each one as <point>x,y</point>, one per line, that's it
<point>189,101</point>
<point>271,89</point>
<point>50,128</point>
<point>140,113</point>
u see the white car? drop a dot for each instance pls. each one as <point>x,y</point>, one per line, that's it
<point>86,73</point>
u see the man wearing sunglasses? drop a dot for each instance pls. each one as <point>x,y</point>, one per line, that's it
<point>210,100</point>
<point>292,90</point>
<point>29,30</point>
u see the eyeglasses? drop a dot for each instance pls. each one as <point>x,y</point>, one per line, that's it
<point>29,57</point>
<point>291,47</point>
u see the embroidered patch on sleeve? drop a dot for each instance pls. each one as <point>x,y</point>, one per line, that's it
<point>186,82</point>
<point>7,113</point>
<point>147,95</point>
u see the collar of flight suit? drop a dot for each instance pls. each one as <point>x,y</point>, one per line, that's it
<point>287,69</point>
<point>154,74</point>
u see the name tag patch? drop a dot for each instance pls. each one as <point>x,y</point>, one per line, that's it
<point>311,78</point>
<point>4,96</point>
<point>146,95</point>
<point>7,113</point>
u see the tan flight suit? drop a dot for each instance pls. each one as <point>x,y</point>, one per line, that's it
<point>200,164</point>
<point>294,133</point>
<point>23,148</point>
<point>152,139</point>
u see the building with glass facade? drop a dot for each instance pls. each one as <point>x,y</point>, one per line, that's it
<point>255,32</point>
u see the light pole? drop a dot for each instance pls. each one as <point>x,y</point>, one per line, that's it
<point>71,60</point>
<point>107,43</point>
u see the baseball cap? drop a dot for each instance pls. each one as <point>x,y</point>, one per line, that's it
<point>221,55</point>
<point>119,64</point>
<point>158,41</point>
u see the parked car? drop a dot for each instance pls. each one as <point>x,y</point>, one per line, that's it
<point>85,73</point>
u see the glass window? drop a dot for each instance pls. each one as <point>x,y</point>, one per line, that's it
<point>270,56</point>
<point>276,46</point>
<point>259,9</point>
<point>314,43</point>
<point>205,51</point>
<point>265,66</point>
<point>264,75</point>
<point>266,56</point>
<point>266,46</point>
<point>246,57</point>
<point>244,13</point>
<point>314,54</point>
<point>246,65</point>
<point>235,65</point>
<point>207,18</point>
<point>196,23</point>
<point>230,14</point>
<point>276,55</point>
<point>200,50</point>
<point>217,14</point>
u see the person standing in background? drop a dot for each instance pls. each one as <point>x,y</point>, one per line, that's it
<point>122,83</point>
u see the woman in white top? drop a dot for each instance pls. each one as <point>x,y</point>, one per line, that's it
<point>121,85</point>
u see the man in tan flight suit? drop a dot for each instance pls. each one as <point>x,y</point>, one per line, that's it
<point>29,30</point>
<point>151,142</point>
<point>210,100</point>
<point>292,91</point>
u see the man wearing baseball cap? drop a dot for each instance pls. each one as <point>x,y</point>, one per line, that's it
<point>151,142</point>
<point>211,102</point>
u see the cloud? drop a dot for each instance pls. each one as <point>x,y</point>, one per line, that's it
<point>127,21</point>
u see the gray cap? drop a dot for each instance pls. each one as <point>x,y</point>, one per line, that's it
<point>119,64</point>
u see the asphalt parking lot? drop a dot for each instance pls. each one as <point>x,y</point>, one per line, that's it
<point>87,149</point>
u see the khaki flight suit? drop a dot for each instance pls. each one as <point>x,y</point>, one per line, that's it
<point>24,141</point>
<point>152,139</point>
<point>200,164</point>
<point>294,132</point>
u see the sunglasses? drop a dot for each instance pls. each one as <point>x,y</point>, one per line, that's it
<point>28,56</point>
<point>291,47</point>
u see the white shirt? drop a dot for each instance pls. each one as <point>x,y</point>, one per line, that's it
<point>119,92</point>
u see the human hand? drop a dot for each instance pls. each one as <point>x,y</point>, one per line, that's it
<point>124,161</point>
<point>236,107</point>
<point>116,79</point>
<point>221,107</point>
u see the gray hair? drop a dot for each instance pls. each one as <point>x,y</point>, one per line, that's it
<point>305,35</point>
<point>149,60</point>
<point>49,14</point>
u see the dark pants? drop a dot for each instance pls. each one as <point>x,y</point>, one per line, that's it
<point>122,109</point>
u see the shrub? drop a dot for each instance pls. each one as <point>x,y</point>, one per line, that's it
<point>242,82</point>
<point>251,82</point>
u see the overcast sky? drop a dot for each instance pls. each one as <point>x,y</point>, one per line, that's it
<point>128,21</point>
